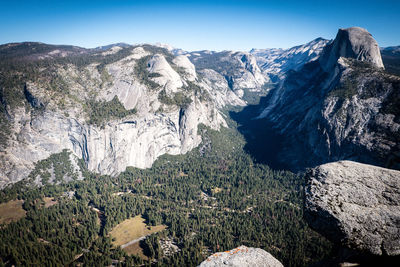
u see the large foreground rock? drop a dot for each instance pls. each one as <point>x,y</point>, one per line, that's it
<point>242,256</point>
<point>355,204</point>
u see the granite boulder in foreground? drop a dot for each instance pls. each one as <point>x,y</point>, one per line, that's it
<point>242,256</point>
<point>356,205</point>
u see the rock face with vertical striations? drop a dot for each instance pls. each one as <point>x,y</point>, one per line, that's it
<point>113,108</point>
<point>343,105</point>
<point>122,105</point>
<point>242,257</point>
<point>356,205</point>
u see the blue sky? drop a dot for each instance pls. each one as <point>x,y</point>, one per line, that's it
<point>195,25</point>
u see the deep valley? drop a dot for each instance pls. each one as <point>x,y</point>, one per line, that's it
<point>142,155</point>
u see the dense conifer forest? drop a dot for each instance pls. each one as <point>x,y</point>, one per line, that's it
<point>211,199</point>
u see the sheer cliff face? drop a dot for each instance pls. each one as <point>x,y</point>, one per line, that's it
<point>113,106</point>
<point>64,97</point>
<point>123,105</point>
<point>341,106</point>
<point>88,109</point>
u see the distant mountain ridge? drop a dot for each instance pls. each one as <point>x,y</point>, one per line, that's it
<point>113,108</point>
<point>341,106</point>
<point>391,59</point>
<point>37,51</point>
<point>278,61</point>
<point>125,105</point>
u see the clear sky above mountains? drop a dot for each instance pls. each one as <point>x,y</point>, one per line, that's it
<point>195,25</point>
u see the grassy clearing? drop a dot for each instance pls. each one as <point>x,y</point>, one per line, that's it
<point>136,249</point>
<point>216,190</point>
<point>11,211</point>
<point>131,229</point>
<point>49,201</point>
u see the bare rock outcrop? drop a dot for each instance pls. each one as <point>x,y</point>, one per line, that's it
<point>168,77</point>
<point>354,42</point>
<point>338,107</point>
<point>242,256</point>
<point>276,62</point>
<point>356,205</point>
<point>61,115</point>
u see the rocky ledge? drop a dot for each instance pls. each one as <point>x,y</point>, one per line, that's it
<point>242,256</point>
<point>355,205</point>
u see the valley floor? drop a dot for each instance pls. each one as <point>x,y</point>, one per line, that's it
<point>211,199</point>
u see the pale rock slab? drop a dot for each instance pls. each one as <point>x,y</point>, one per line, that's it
<point>169,78</point>
<point>242,257</point>
<point>356,205</point>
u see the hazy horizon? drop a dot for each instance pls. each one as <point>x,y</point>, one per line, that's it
<point>194,25</point>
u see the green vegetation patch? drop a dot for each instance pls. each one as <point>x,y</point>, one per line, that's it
<point>159,50</point>
<point>50,236</point>
<point>144,75</point>
<point>218,62</point>
<point>179,99</point>
<point>213,198</point>
<point>349,87</point>
<point>346,89</point>
<point>101,111</point>
<point>5,126</point>
<point>55,169</point>
<point>198,91</point>
<point>111,58</point>
<point>141,66</point>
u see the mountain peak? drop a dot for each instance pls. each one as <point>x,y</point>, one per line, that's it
<point>354,42</point>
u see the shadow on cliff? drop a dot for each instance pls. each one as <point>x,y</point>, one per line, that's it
<point>263,142</point>
<point>267,146</point>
